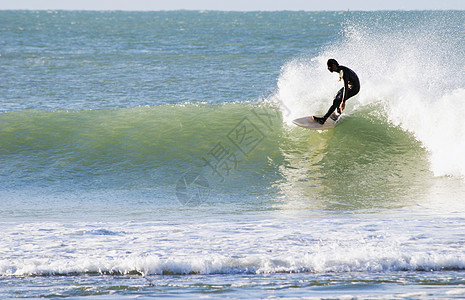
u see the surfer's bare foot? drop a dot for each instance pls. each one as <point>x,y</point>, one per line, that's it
<point>319,120</point>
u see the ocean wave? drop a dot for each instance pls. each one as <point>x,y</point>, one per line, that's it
<point>66,144</point>
<point>228,146</point>
<point>345,260</point>
<point>410,69</point>
<point>233,246</point>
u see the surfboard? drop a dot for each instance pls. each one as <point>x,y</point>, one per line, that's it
<point>308,122</point>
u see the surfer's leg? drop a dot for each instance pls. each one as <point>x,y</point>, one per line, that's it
<point>337,101</point>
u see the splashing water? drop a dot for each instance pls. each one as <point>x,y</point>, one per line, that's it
<point>412,68</point>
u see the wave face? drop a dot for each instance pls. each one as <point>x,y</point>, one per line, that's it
<point>132,146</point>
<point>410,65</point>
<point>237,148</point>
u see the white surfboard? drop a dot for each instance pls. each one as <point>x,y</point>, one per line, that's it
<point>308,122</point>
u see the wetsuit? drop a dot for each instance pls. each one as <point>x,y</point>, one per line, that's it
<point>350,89</point>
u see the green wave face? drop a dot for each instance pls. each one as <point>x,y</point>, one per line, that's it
<point>237,147</point>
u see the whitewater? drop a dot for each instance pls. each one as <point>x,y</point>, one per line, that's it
<point>152,154</point>
<point>412,76</point>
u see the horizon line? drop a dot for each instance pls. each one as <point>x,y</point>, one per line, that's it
<point>220,10</point>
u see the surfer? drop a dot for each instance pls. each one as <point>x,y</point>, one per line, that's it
<point>350,89</point>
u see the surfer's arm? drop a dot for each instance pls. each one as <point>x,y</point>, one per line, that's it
<point>344,92</point>
<point>342,105</point>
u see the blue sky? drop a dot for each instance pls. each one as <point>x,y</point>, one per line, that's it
<point>243,5</point>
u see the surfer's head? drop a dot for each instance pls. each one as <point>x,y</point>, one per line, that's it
<point>332,65</point>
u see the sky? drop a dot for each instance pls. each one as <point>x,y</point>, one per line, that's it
<point>236,5</point>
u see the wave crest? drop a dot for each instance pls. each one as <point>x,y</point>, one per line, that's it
<point>410,67</point>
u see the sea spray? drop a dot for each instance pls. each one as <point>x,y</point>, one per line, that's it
<point>413,69</point>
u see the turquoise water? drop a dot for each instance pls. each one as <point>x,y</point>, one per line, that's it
<point>152,154</point>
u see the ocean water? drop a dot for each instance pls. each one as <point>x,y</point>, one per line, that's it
<point>152,154</point>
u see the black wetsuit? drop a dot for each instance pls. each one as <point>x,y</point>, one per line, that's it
<point>350,89</point>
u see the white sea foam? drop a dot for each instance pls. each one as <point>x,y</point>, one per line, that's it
<point>213,264</point>
<point>228,247</point>
<point>456,292</point>
<point>415,72</point>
